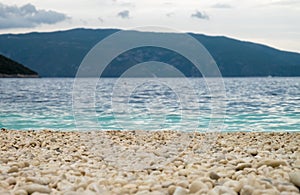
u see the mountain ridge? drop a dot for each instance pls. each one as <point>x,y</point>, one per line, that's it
<point>59,54</point>
<point>115,29</point>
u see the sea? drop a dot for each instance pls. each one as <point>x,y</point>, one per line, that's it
<point>183,104</point>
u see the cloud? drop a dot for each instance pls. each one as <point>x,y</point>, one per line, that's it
<point>27,16</point>
<point>127,4</point>
<point>221,5</point>
<point>200,15</point>
<point>124,14</point>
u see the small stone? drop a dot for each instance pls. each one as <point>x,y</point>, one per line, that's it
<point>166,184</point>
<point>235,185</point>
<point>223,161</point>
<point>222,190</point>
<point>214,175</point>
<point>131,188</point>
<point>53,139</point>
<point>253,152</point>
<point>26,164</point>
<point>296,164</point>
<point>38,193</point>
<point>4,184</point>
<point>94,187</point>
<point>196,186</point>
<point>183,184</point>
<point>131,185</point>
<point>180,191</point>
<point>153,193</point>
<point>207,181</point>
<point>67,186</point>
<point>120,181</point>
<point>42,181</point>
<point>247,190</point>
<point>272,163</point>
<point>21,165</point>
<point>156,187</point>
<point>183,172</point>
<point>36,188</point>
<point>289,193</point>
<point>287,188</point>
<point>72,193</point>
<point>155,173</point>
<point>295,178</point>
<point>35,163</point>
<point>20,192</point>
<point>143,188</point>
<point>142,192</point>
<point>171,189</point>
<point>11,181</point>
<point>241,166</point>
<point>13,169</point>
<point>88,192</point>
<point>4,160</point>
<point>266,192</point>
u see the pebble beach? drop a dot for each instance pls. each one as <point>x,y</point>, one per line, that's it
<point>162,162</point>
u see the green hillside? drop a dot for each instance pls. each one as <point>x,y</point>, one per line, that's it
<point>10,68</point>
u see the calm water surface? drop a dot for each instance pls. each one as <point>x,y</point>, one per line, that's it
<point>252,104</point>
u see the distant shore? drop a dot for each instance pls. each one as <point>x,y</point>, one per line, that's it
<point>136,162</point>
<point>19,75</point>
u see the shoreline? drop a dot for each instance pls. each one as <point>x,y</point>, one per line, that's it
<point>2,75</point>
<point>162,162</point>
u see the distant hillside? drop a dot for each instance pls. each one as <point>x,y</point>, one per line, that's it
<point>58,54</point>
<point>10,68</point>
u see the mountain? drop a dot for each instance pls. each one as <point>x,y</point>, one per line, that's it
<point>59,54</point>
<point>10,68</point>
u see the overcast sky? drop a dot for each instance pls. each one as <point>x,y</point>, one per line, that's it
<point>271,22</point>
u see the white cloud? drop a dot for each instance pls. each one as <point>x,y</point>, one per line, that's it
<point>221,5</point>
<point>200,15</point>
<point>127,4</point>
<point>124,14</point>
<point>27,16</point>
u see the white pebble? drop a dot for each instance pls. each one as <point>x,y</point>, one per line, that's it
<point>36,188</point>
<point>180,191</point>
<point>295,178</point>
<point>196,186</point>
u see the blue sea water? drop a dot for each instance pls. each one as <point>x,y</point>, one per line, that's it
<point>252,104</point>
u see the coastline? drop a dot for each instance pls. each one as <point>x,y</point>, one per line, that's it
<point>54,162</point>
<point>19,75</point>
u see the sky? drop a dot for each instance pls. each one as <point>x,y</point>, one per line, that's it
<point>271,22</point>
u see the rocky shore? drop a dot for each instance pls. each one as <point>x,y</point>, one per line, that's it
<point>131,162</point>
